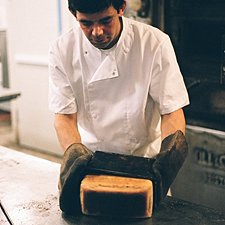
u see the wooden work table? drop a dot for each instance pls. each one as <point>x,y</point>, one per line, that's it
<point>28,192</point>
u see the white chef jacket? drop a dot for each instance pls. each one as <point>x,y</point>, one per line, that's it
<point>120,93</point>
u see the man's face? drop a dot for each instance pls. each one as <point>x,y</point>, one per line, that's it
<point>102,29</point>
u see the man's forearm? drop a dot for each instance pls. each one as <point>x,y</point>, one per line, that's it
<point>172,122</point>
<point>66,129</point>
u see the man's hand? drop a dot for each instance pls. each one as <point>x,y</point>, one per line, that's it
<point>72,171</point>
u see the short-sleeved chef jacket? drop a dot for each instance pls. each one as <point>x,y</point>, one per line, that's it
<point>120,93</point>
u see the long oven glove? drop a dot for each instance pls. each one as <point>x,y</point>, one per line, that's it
<point>72,171</point>
<point>168,162</point>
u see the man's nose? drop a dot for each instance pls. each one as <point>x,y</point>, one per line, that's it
<point>97,30</point>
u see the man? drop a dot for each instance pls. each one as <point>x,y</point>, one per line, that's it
<point>114,78</point>
<point>115,85</point>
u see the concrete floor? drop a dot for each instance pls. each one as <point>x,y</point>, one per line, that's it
<point>7,140</point>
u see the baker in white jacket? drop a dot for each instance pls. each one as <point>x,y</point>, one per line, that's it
<point>115,86</point>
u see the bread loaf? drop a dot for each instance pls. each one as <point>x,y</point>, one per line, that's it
<point>115,196</point>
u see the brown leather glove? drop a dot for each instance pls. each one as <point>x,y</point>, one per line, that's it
<point>72,171</point>
<point>168,162</point>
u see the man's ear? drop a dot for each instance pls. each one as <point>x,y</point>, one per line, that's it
<point>122,9</point>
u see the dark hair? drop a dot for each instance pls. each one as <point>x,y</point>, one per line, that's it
<point>93,6</point>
